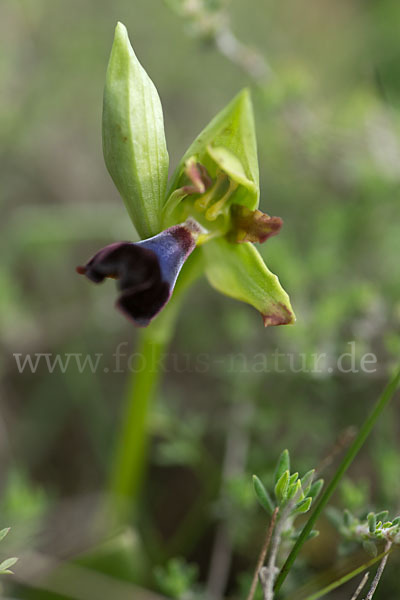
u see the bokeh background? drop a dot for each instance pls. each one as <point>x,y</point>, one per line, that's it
<point>325,83</point>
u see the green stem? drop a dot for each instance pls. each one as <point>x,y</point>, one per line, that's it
<point>345,464</point>
<point>338,582</point>
<point>131,446</point>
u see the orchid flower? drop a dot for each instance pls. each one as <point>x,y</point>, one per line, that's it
<point>210,205</point>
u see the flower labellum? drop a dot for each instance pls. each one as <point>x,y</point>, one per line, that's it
<point>146,271</point>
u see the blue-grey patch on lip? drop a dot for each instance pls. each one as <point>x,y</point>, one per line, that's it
<point>145,271</point>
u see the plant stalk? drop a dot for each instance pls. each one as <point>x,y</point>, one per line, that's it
<point>379,572</point>
<point>131,449</point>
<point>129,462</point>
<point>263,554</point>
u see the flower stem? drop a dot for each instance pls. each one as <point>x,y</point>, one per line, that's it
<point>131,448</point>
<point>272,569</point>
<point>342,580</point>
<point>129,462</point>
<point>345,464</point>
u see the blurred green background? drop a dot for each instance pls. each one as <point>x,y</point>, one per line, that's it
<point>327,117</point>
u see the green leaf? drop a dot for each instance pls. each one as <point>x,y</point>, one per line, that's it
<point>3,533</point>
<point>281,487</point>
<point>302,507</point>
<point>282,465</point>
<point>238,271</point>
<point>306,481</point>
<point>316,488</point>
<point>230,137</point>
<point>295,491</point>
<point>348,518</point>
<point>382,516</point>
<point>7,564</point>
<point>371,522</point>
<point>370,547</point>
<point>134,144</point>
<point>262,495</point>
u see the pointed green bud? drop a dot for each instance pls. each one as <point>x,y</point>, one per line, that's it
<point>282,465</point>
<point>281,487</point>
<point>293,478</point>
<point>262,495</point>
<point>134,144</point>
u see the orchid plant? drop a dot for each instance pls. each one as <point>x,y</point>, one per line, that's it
<point>210,206</point>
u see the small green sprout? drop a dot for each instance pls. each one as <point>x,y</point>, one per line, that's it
<point>370,530</point>
<point>293,495</point>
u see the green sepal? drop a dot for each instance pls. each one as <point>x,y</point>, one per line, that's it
<point>247,193</point>
<point>134,146</point>
<point>238,271</point>
<point>230,137</point>
<point>262,495</point>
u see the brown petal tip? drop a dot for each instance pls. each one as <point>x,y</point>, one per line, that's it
<point>254,225</point>
<point>281,316</point>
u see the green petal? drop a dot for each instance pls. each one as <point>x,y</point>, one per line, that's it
<point>238,271</point>
<point>134,144</point>
<point>233,130</point>
<point>232,166</point>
